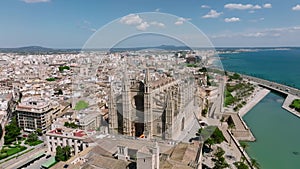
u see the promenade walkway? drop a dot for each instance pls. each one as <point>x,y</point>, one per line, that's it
<point>290,92</point>
<point>256,98</point>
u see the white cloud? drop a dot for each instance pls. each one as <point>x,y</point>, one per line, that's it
<point>143,26</point>
<point>158,24</point>
<point>257,20</point>
<point>35,1</point>
<point>131,19</point>
<point>256,7</point>
<point>267,5</point>
<point>296,8</point>
<point>205,6</point>
<point>85,24</point>
<point>242,6</point>
<point>255,35</point>
<point>233,19</point>
<point>139,23</point>
<point>212,14</point>
<point>181,20</point>
<point>270,32</point>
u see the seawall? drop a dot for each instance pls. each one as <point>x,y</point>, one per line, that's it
<point>287,102</point>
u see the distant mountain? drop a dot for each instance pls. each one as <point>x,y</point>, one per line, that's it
<point>37,50</point>
<point>44,50</point>
<point>162,47</point>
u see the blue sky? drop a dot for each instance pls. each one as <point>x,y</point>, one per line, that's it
<point>69,23</point>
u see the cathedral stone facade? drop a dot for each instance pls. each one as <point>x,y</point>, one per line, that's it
<point>152,108</point>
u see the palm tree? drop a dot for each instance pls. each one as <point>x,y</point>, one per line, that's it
<point>209,142</point>
<point>254,163</point>
<point>67,152</point>
<point>243,158</point>
<point>230,127</point>
<point>244,145</point>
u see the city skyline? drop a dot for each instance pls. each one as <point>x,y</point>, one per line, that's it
<point>69,24</point>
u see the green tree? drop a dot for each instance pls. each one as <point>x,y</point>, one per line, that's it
<point>254,163</point>
<point>199,132</point>
<point>203,69</point>
<point>59,156</point>
<point>236,76</point>
<point>243,159</point>
<point>51,79</point>
<point>67,152</point>
<point>244,145</point>
<point>295,105</point>
<point>220,160</point>
<point>62,68</point>
<point>39,131</point>
<point>12,131</point>
<point>220,164</point>
<point>32,137</point>
<point>209,142</point>
<point>63,154</point>
<point>20,97</point>
<point>60,92</point>
<point>212,135</point>
<point>207,80</point>
<point>218,136</point>
<point>71,125</point>
<point>204,112</point>
<point>220,152</point>
<point>230,127</point>
<point>1,131</point>
<point>240,165</point>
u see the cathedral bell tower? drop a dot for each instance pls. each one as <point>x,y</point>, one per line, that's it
<point>148,116</point>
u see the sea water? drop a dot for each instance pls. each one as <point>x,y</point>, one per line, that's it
<point>277,131</point>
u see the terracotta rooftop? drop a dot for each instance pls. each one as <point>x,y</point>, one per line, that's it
<point>76,133</point>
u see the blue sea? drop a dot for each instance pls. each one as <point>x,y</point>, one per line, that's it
<point>279,65</point>
<point>277,131</point>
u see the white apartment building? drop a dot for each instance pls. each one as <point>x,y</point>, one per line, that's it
<point>74,138</point>
<point>36,112</point>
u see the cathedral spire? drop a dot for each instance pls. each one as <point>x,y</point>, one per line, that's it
<point>127,114</point>
<point>147,81</point>
<point>147,76</point>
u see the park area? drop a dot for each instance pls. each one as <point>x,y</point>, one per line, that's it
<point>81,105</point>
<point>7,151</point>
<point>295,105</point>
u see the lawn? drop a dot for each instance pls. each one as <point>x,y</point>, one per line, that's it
<point>229,99</point>
<point>81,105</point>
<point>296,105</point>
<point>34,143</point>
<point>11,150</point>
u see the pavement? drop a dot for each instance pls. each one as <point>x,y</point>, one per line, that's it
<point>287,102</point>
<point>232,148</point>
<point>232,154</point>
<point>257,96</point>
